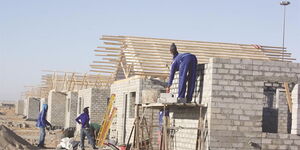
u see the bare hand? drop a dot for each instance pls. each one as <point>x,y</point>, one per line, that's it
<point>168,90</point>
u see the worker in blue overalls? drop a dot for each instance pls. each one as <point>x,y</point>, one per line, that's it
<point>186,64</point>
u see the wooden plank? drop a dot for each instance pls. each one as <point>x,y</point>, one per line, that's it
<point>104,68</point>
<point>101,71</point>
<point>110,48</point>
<point>191,47</point>
<point>104,65</point>
<point>106,51</point>
<point>121,38</point>
<point>250,46</point>
<point>105,62</point>
<point>288,96</point>
<point>108,55</point>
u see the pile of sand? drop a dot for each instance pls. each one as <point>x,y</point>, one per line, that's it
<point>11,141</point>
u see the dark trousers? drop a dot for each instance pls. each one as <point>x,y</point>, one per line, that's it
<point>187,73</point>
<point>85,132</point>
<point>42,136</point>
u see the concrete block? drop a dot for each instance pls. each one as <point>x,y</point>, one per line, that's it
<point>167,98</point>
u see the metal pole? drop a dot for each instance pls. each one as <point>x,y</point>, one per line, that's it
<point>283,32</point>
<point>284,3</point>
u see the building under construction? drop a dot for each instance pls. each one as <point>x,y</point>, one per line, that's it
<point>246,96</point>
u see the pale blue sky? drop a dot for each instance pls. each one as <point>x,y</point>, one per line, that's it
<point>61,35</point>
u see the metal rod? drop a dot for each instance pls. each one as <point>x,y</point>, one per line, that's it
<point>283,31</point>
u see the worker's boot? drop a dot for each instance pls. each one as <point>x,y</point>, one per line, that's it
<point>181,100</point>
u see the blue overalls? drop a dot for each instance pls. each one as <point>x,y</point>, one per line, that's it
<point>185,63</point>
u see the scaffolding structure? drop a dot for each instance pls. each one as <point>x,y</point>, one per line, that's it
<point>143,137</point>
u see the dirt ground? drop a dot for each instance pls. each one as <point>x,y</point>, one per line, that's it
<point>27,129</point>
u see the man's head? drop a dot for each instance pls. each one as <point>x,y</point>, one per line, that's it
<point>173,50</point>
<point>86,110</point>
<point>45,107</point>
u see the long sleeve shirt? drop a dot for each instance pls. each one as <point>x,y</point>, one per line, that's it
<point>177,60</point>
<point>83,119</point>
<point>42,121</point>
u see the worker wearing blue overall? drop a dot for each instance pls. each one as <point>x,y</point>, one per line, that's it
<point>186,64</point>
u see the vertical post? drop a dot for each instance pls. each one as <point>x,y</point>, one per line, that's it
<point>283,32</point>
<point>284,3</point>
<point>165,130</point>
<point>151,129</point>
<point>137,127</point>
<point>200,128</point>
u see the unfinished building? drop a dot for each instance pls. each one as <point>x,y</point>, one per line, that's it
<point>68,88</point>
<point>131,91</point>
<point>247,94</point>
<point>56,108</point>
<point>20,107</point>
<point>71,109</point>
<point>32,108</point>
<point>96,99</point>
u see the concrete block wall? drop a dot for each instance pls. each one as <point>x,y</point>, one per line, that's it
<point>184,139</point>
<point>96,100</point>
<point>32,108</point>
<point>19,107</point>
<point>237,99</point>
<point>123,122</point>
<point>197,96</point>
<point>277,141</point>
<point>295,110</point>
<point>42,102</point>
<point>71,109</point>
<point>56,108</point>
<point>283,112</point>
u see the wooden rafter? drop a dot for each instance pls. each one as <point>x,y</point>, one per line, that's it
<point>151,56</point>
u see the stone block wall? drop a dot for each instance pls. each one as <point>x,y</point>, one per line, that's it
<point>71,109</point>
<point>32,108</point>
<point>19,107</point>
<point>56,108</point>
<point>129,92</point>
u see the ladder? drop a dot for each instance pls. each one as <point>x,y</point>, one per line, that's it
<point>107,120</point>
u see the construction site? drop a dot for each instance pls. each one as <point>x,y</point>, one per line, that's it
<point>246,97</point>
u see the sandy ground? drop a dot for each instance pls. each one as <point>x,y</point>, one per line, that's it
<point>28,131</point>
